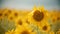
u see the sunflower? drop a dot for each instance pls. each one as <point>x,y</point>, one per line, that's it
<point>7,12</point>
<point>58,16</point>
<point>38,16</point>
<point>45,27</point>
<point>22,27</point>
<point>11,18</point>
<point>23,30</point>
<point>18,21</point>
<point>54,16</point>
<point>15,13</point>
<point>1,17</point>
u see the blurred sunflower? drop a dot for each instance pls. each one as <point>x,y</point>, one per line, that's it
<point>11,18</point>
<point>58,16</point>
<point>1,15</point>
<point>23,30</point>
<point>18,21</point>
<point>45,27</point>
<point>7,12</point>
<point>22,27</point>
<point>38,15</point>
<point>54,16</point>
<point>15,13</point>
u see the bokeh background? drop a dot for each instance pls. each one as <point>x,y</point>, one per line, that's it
<point>28,5</point>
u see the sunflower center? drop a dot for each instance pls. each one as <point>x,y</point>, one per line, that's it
<point>9,11</point>
<point>44,28</point>
<point>6,14</point>
<point>27,22</point>
<point>58,18</point>
<point>0,14</point>
<point>25,32</point>
<point>54,20</point>
<point>38,16</point>
<point>11,18</point>
<point>19,22</point>
<point>16,14</point>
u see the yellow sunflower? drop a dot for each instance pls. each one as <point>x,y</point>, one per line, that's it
<point>45,27</point>
<point>58,16</point>
<point>7,12</point>
<point>1,15</point>
<point>15,13</point>
<point>18,21</point>
<point>38,16</point>
<point>23,30</point>
<point>22,27</point>
<point>11,18</point>
<point>54,17</point>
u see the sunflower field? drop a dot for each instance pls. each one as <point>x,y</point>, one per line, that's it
<point>35,21</point>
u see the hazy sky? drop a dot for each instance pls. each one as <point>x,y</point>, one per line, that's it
<point>28,4</point>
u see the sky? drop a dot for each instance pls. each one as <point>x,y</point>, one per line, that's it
<point>28,4</point>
